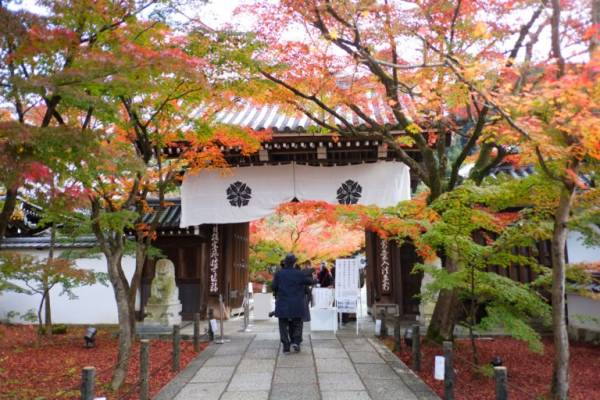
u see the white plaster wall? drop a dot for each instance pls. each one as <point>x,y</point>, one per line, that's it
<point>578,252</point>
<point>95,304</point>
<point>583,312</point>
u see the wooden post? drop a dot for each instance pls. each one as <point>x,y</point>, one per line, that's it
<point>501,375</point>
<point>221,317</point>
<point>397,334</point>
<point>176,349</point>
<point>383,332</point>
<point>448,372</point>
<point>211,316</point>
<point>246,309</point>
<point>144,369</point>
<point>197,332</point>
<point>416,347</point>
<point>87,383</point>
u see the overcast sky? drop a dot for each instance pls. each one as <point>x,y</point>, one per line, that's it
<point>214,14</point>
<point>218,12</point>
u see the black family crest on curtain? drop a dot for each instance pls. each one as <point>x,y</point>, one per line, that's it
<point>239,194</point>
<point>349,192</point>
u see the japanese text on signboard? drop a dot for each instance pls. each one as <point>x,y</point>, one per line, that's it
<point>346,285</point>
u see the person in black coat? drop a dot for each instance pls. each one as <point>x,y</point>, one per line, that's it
<point>324,276</point>
<point>289,285</point>
<point>308,271</point>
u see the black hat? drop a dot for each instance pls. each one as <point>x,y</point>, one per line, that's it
<point>290,260</point>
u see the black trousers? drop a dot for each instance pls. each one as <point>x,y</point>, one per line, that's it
<point>290,331</point>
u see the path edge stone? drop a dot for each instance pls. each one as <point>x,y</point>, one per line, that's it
<point>171,389</point>
<point>410,379</point>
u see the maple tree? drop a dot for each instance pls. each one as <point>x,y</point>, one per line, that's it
<point>59,66</point>
<point>350,55</point>
<point>457,74</point>
<point>307,231</point>
<point>475,227</point>
<point>175,75</point>
<point>118,77</point>
<point>48,61</point>
<point>265,255</point>
<point>61,196</point>
<point>41,276</point>
<point>158,110</point>
<point>559,124</point>
<point>460,80</point>
<point>553,111</point>
<point>452,57</point>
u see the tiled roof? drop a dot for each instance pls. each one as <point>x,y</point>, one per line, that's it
<point>259,117</point>
<point>168,224</point>
<point>169,218</point>
<point>519,172</point>
<point>510,170</point>
<point>29,216</point>
<point>43,242</point>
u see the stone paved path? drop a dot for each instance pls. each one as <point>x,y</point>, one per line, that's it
<point>329,367</point>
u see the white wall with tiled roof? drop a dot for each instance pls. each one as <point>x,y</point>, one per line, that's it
<point>95,304</point>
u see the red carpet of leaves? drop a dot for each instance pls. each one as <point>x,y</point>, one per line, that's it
<point>51,368</point>
<point>529,374</point>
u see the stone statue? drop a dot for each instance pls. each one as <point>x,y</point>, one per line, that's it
<point>163,307</point>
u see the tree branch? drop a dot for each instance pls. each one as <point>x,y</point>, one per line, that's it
<point>311,98</point>
<point>555,25</point>
<point>470,145</point>
<point>453,25</point>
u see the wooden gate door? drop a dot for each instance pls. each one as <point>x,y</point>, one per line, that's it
<point>236,249</point>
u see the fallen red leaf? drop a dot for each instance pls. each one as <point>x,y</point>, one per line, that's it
<point>32,367</point>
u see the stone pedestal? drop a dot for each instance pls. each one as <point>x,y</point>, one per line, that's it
<point>163,314</point>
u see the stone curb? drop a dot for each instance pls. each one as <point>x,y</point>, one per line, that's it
<point>410,379</point>
<point>169,391</point>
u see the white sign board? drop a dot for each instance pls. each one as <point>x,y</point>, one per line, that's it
<point>346,285</point>
<point>263,305</point>
<point>322,297</point>
<point>323,319</point>
<point>214,326</point>
<point>438,373</point>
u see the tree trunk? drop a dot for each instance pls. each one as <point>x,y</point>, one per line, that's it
<point>443,319</point>
<point>39,314</point>
<point>560,375</point>
<point>125,333</point>
<point>47,310</point>
<point>473,316</point>
<point>47,314</point>
<point>125,343</point>
<point>10,202</point>
<point>141,252</point>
